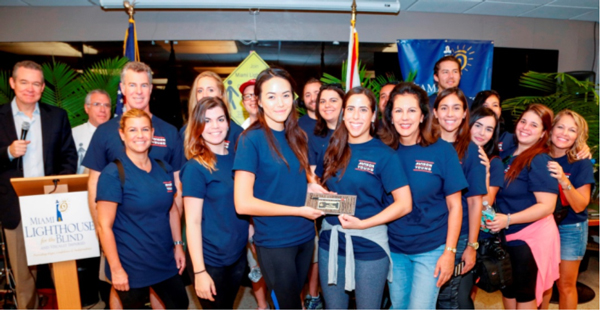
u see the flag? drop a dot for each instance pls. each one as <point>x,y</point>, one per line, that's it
<point>131,51</point>
<point>352,77</point>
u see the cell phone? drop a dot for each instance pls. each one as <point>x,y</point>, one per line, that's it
<point>458,268</point>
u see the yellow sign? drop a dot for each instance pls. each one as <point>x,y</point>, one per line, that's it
<point>248,69</point>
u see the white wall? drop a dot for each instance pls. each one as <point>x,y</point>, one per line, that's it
<point>574,39</point>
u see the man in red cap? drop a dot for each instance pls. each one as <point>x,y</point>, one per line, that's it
<point>249,101</point>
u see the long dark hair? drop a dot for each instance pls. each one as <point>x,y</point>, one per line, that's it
<point>338,152</point>
<point>461,144</point>
<point>321,128</point>
<point>541,146</point>
<point>491,147</point>
<point>480,99</point>
<point>294,135</point>
<point>387,131</point>
<point>195,146</point>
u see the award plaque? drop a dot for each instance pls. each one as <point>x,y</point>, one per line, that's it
<point>332,204</point>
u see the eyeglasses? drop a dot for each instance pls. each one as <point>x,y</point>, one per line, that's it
<point>96,105</point>
<point>248,96</point>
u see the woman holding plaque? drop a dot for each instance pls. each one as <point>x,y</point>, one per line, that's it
<point>216,234</point>
<point>271,166</point>
<point>575,177</point>
<point>356,163</point>
<point>139,225</point>
<point>524,210</point>
<point>423,243</point>
<point>451,123</point>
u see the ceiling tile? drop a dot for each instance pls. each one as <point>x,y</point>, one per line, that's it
<point>591,16</point>
<point>577,3</point>
<point>444,6</point>
<point>12,3</point>
<point>58,2</point>
<point>501,9</point>
<point>405,4</point>
<point>555,12</point>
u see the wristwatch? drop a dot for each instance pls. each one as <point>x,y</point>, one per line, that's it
<point>569,187</point>
<point>474,245</point>
<point>452,249</point>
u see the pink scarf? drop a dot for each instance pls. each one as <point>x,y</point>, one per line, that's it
<point>543,239</point>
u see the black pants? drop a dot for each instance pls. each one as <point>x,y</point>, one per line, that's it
<point>171,291</point>
<point>524,271</point>
<point>227,283</point>
<point>285,271</point>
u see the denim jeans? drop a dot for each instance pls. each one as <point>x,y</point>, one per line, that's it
<point>370,276</point>
<point>448,296</point>
<point>414,286</point>
<point>573,240</point>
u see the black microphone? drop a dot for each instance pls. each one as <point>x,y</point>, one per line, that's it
<point>24,129</point>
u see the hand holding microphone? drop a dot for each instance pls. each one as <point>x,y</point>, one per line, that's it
<point>18,148</point>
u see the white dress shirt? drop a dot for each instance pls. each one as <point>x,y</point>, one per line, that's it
<point>82,134</point>
<point>33,160</point>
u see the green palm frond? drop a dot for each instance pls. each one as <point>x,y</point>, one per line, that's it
<point>104,75</point>
<point>6,92</point>
<point>64,90</point>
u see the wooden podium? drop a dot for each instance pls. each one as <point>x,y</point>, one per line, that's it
<point>65,272</point>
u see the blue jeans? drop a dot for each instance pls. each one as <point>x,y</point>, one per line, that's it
<point>414,286</point>
<point>448,297</point>
<point>370,276</point>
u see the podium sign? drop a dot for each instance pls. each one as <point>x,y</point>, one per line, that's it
<point>58,227</point>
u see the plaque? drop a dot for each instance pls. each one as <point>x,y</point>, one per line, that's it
<point>332,204</point>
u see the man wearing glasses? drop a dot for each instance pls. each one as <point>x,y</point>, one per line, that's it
<point>97,107</point>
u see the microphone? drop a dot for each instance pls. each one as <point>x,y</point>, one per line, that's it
<point>24,129</point>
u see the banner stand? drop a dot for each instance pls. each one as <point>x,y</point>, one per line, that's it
<point>66,281</point>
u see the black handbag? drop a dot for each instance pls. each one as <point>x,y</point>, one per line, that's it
<point>493,270</point>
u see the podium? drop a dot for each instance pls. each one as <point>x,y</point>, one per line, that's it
<point>65,272</point>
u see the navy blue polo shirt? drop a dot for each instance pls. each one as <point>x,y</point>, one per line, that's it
<point>106,145</point>
<point>373,172</point>
<point>475,173</point>
<point>506,142</point>
<point>580,173</point>
<point>307,124</point>
<point>317,145</point>
<point>224,232</point>
<point>277,183</point>
<point>434,173</point>
<point>142,229</point>
<point>518,195</point>
<point>496,180</point>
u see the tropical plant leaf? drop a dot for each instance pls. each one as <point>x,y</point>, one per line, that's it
<point>6,92</point>
<point>64,90</point>
<point>104,75</point>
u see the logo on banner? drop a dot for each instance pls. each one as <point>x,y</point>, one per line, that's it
<point>60,208</point>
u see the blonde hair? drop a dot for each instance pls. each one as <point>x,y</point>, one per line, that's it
<point>131,114</point>
<point>582,133</point>
<point>193,92</point>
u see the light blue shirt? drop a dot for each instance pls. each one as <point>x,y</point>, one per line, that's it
<point>33,160</point>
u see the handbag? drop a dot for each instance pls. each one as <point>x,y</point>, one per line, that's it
<point>493,270</point>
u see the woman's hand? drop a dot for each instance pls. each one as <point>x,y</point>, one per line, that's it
<point>444,268</point>
<point>484,159</point>
<point>205,287</point>
<point>180,258</point>
<point>500,221</point>
<point>350,222</point>
<point>309,212</point>
<point>120,280</point>
<point>557,172</point>
<point>584,153</point>
<point>316,188</point>
<point>469,257</point>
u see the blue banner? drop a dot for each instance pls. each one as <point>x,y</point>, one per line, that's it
<point>475,56</point>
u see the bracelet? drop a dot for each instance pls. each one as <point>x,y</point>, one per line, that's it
<point>200,271</point>
<point>178,243</point>
<point>452,249</point>
<point>508,220</point>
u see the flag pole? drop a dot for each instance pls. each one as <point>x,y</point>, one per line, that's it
<point>353,20</point>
